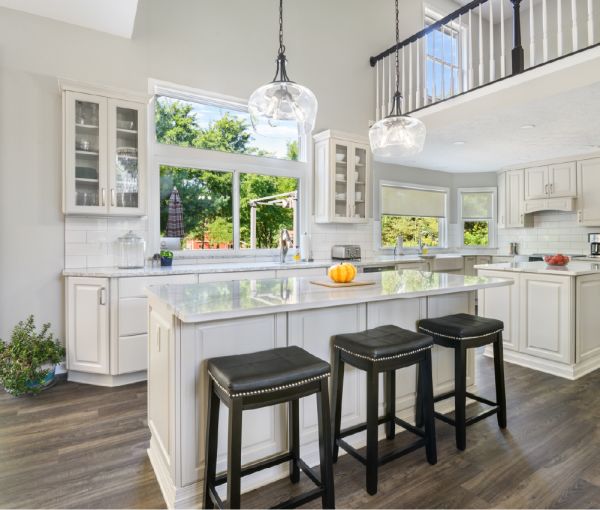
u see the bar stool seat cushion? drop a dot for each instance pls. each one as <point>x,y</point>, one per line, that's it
<point>461,326</point>
<point>384,342</point>
<point>265,371</point>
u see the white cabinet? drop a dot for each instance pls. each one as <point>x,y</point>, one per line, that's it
<point>511,199</point>
<point>474,260</point>
<point>342,178</point>
<point>588,185</point>
<point>103,155</point>
<point>88,325</point>
<point>551,181</point>
<point>547,325</point>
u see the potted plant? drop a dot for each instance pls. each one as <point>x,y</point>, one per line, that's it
<point>28,361</point>
<point>166,258</point>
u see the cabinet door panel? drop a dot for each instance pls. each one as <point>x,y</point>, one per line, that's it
<point>133,353</point>
<point>536,182</point>
<point>515,197</point>
<point>502,200</point>
<point>588,185</point>
<point>87,325</point>
<point>563,180</point>
<point>547,325</point>
<point>588,318</point>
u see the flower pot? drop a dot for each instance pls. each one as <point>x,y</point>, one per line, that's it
<point>46,381</point>
<point>166,261</point>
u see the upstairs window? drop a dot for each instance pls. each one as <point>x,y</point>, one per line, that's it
<point>413,212</point>
<point>477,207</point>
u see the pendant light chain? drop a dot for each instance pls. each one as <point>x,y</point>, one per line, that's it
<point>281,45</point>
<point>397,48</point>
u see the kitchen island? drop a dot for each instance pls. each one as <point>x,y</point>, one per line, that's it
<point>191,323</point>
<point>550,315</point>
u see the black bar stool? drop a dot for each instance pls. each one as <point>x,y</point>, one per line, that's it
<point>383,349</point>
<point>266,378</point>
<point>461,332</point>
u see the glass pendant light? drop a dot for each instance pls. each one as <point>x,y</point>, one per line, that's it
<point>282,99</point>
<point>397,135</point>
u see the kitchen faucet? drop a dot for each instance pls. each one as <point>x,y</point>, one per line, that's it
<point>285,242</point>
<point>421,234</point>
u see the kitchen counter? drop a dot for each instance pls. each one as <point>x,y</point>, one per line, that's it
<point>189,324</point>
<point>574,268</point>
<point>228,300</point>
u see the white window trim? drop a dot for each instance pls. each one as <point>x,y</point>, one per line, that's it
<point>189,157</point>
<point>443,235</point>
<point>493,223</point>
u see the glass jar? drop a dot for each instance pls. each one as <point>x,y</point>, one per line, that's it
<point>131,251</point>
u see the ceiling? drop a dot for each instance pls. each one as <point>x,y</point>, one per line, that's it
<point>116,17</point>
<point>562,103</point>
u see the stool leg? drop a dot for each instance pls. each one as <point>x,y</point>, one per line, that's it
<point>426,389</point>
<point>460,396</point>
<point>418,400</point>
<point>210,455</point>
<point>372,425</point>
<point>294,438</point>
<point>337,389</point>
<point>328,498</point>
<point>390,403</point>
<point>499,375</point>
<point>234,454</point>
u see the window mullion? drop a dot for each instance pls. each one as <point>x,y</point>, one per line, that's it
<point>235,199</point>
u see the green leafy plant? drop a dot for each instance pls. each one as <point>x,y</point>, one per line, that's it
<point>166,254</point>
<point>25,359</point>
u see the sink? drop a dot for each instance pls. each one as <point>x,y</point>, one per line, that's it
<point>427,256</point>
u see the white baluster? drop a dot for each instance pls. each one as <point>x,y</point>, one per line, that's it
<point>383,89</point>
<point>545,29</point>
<point>443,32</point>
<point>391,80</point>
<point>492,57</point>
<point>531,36</point>
<point>453,50</point>
<point>459,53</point>
<point>470,57</point>
<point>590,8</point>
<point>425,75</point>
<point>377,91</point>
<point>559,34</point>
<point>410,77</point>
<point>481,68</point>
<point>403,80</point>
<point>575,30</point>
<point>502,42</point>
<point>418,86</point>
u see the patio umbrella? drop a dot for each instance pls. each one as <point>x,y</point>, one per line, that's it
<point>175,216</point>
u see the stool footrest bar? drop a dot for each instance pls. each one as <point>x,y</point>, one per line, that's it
<point>482,416</point>
<point>384,459</point>
<point>221,478</point>
<point>300,500</point>
<point>481,399</point>
<point>409,427</point>
<point>351,451</point>
<point>310,473</point>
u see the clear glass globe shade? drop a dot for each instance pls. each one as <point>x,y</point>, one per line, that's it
<point>282,101</point>
<point>397,136</point>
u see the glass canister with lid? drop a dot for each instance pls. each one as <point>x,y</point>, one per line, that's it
<point>131,250</point>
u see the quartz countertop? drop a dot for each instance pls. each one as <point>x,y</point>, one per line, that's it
<point>574,268</point>
<point>229,300</point>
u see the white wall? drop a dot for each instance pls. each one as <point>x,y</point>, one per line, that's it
<point>223,46</point>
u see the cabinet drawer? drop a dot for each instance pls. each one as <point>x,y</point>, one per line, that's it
<point>133,316</point>
<point>136,287</point>
<point>133,353</point>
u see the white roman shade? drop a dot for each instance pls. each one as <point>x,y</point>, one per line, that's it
<point>398,201</point>
<point>477,205</point>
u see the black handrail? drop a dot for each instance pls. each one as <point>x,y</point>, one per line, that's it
<point>438,24</point>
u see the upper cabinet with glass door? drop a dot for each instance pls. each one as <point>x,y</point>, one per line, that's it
<point>104,155</point>
<point>342,178</point>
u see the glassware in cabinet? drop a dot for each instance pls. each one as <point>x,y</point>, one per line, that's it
<point>341,156</point>
<point>360,182</point>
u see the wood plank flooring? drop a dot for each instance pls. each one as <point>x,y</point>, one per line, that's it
<point>78,446</point>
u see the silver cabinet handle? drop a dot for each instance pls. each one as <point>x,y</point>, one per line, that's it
<point>113,197</point>
<point>579,216</point>
<point>102,295</point>
<point>552,189</point>
<point>546,189</point>
<point>103,197</point>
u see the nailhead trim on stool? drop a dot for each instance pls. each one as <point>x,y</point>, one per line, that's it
<point>385,358</point>
<point>434,333</point>
<point>267,390</point>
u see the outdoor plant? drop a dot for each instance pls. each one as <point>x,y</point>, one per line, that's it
<point>166,257</point>
<point>29,358</point>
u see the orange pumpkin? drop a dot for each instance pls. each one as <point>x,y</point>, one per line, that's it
<point>342,273</point>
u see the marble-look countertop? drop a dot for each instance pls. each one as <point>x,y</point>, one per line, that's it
<point>574,268</point>
<point>230,300</point>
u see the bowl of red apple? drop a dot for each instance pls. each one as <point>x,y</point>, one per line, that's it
<point>557,260</point>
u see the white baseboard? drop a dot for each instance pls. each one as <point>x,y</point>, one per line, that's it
<point>106,380</point>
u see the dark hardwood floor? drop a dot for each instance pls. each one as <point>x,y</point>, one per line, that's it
<point>78,446</point>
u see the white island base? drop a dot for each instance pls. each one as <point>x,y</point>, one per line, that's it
<point>248,316</point>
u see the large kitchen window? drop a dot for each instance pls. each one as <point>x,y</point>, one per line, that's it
<point>477,217</point>
<point>222,188</point>
<point>413,212</point>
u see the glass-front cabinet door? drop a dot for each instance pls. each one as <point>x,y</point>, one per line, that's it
<point>126,157</point>
<point>342,162</point>
<point>85,154</point>
<point>359,183</point>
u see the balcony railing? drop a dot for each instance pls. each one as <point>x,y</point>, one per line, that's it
<point>482,42</point>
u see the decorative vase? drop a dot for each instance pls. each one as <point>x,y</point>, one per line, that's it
<point>166,261</point>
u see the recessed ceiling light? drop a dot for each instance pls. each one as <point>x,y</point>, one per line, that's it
<point>459,142</point>
<point>527,126</point>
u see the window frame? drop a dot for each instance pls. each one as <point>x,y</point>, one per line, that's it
<point>443,222</point>
<point>190,157</point>
<point>492,223</point>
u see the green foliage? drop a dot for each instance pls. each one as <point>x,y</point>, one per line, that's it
<point>166,254</point>
<point>409,228</point>
<point>476,233</point>
<point>21,360</point>
<point>220,231</point>
<point>293,151</point>
<point>175,123</point>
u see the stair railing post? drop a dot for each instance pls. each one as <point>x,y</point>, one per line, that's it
<point>518,56</point>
